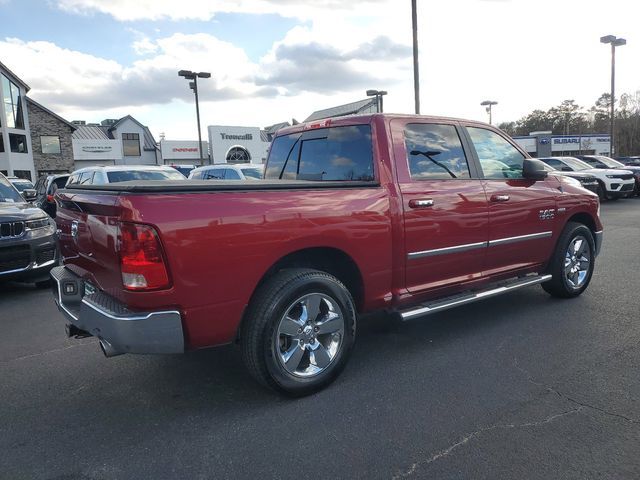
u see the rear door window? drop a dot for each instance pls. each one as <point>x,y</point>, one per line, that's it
<point>435,152</point>
<point>329,154</point>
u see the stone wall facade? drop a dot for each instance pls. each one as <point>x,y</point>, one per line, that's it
<point>44,123</point>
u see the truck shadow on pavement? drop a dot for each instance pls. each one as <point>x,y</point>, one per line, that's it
<point>216,378</point>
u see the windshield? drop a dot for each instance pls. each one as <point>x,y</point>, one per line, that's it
<point>8,194</point>
<point>610,162</point>
<point>575,163</point>
<point>252,173</point>
<point>128,175</point>
<point>22,185</point>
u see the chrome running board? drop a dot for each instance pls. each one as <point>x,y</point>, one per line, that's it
<point>464,298</point>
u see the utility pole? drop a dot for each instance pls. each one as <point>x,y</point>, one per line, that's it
<point>615,42</point>
<point>489,104</point>
<point>416,67</point>
<point>189,75</point>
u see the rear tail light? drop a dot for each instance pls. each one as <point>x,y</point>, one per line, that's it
<point>50,198</point>
<point>142,260</point>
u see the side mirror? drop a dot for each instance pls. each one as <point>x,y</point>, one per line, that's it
<point>533,169</point>
<point>566,169</point>
<point>29,194</point>
<point>602,166</point>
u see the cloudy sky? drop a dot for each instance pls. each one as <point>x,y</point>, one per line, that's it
<point>273,60</point>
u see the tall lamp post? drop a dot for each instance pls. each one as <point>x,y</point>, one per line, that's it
<point>416,67</point>
<point>189,75</point>
<point>489,104</point>
<point>615,42</point>
<point>378,94</point>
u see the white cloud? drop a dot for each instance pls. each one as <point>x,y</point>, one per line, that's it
<point>470,50</point>
<point>144,46</point>
<point>130,10</point>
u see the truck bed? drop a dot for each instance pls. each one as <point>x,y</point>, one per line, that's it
<point>177,186</point>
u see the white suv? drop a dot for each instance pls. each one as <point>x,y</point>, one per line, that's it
<point>614,183</point>
<point>122,173</point>
<point>245,171</point>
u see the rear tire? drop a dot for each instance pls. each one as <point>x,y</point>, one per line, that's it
<point>572,262</point>
<point>298,331</point>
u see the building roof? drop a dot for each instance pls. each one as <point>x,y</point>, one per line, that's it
<point>33,102</point>
<point>91,132</point>
<point>105,132</point>
<point>14,77</point>
<point>342,110</point>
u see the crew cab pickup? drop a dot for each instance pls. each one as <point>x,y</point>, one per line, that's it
<point>408,214</point>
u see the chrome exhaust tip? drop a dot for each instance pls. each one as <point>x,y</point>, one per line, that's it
<point>108,350</point>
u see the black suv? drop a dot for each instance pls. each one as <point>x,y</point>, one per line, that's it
<point>28,249</point>
<point>46,187</point>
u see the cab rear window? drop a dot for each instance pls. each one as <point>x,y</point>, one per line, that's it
<point>328,154</point>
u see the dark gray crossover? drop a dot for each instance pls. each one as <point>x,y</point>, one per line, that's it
<point>28,248</point>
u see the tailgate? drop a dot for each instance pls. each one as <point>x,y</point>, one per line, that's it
<point>88,225</point>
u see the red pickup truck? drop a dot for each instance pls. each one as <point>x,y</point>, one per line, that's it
<point>408,214</point>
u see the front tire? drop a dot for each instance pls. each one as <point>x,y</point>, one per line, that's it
<point>299,331</point>
<point>572,263</point>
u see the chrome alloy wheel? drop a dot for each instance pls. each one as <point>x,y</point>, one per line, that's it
<point>577,261</point>
<point>310,335</point>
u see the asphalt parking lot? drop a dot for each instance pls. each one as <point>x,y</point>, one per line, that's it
<point>521,386</point>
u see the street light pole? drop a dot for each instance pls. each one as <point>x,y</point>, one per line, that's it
<point>615,42</point>
<point>489,104</point>
<point>378,94</point>
<point>416,67</point>
<point>189,75</point>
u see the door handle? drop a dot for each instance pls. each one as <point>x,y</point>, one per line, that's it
<point>500,198</point>
<point>421,203</point>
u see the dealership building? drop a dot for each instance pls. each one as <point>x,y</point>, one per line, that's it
<point>544,144</point>
<point>15,141</point>
<point>51,139</point>
<point>232,144</point>
<point>123,141</point>
<point>183,152</point>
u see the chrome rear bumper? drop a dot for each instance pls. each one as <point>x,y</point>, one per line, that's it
<point>104,317</point>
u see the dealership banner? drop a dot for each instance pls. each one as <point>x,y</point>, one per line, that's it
<point>182,150</point>
<point>97,149</point>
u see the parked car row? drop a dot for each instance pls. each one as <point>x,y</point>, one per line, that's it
<point>27,237</point>
<point>613,179</point>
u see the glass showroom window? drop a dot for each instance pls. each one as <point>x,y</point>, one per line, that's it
<point>17,143</point>
<point>1,143</point>
<point>12,104</point>
<point>131,144</point>
<point>50,144</point>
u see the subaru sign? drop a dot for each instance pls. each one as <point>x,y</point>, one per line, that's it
<point>560,141</point>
